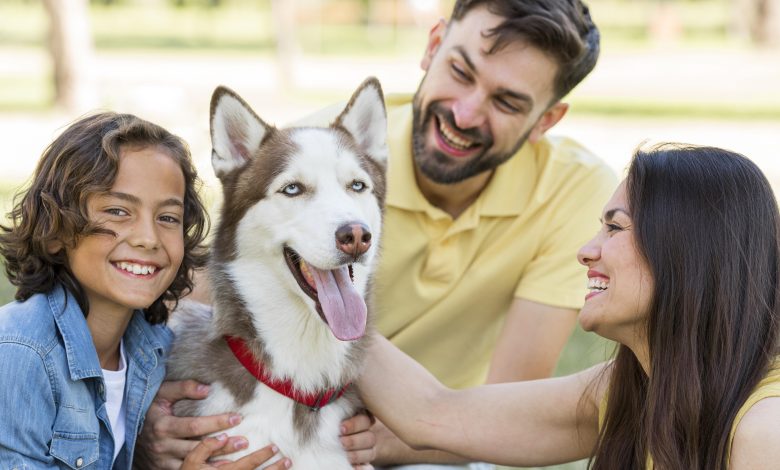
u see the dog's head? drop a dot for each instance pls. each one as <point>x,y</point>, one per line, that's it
<point>303,205</point>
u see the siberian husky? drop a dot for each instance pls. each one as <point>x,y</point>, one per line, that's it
<point>290,264</point>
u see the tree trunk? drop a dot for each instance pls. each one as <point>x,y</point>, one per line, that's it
<point>70,45</point>
<point>758,20</point>
<point>283,14</point>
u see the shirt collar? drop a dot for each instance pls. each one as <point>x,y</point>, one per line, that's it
<point>507,193</point>
<point>142,344</point>
<point>76,338</point>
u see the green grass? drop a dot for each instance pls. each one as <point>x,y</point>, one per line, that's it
<point>25,93</point>
<point>637,107</point>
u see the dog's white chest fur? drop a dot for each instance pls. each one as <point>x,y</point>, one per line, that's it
<point>268,419</point>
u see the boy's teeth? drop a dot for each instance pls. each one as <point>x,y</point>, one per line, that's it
<point>137,268</point>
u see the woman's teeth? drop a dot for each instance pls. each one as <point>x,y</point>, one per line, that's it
<point>595,283</point>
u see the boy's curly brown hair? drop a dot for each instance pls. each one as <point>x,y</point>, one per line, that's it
<point>52,212</point>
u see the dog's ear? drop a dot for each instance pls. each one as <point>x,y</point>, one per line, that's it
<point>365,118</point>
<point>236,131</point>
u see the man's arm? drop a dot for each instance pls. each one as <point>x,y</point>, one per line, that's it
<point>530,342</point>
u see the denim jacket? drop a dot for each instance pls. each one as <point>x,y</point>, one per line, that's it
<point>52,394</point>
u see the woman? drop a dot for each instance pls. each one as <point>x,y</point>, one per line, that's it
<point>684,276</point>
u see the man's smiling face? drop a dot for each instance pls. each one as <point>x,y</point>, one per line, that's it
<point>474,110</point>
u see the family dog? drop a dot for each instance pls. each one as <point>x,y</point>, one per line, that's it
<point>289,266</point>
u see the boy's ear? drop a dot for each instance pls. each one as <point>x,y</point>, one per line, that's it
<point>54,246</point>
<point>548,119</point>
<point>435,37</point>
<point>236,131</point>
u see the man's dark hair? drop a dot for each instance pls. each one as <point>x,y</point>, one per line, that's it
<point>562,29</point>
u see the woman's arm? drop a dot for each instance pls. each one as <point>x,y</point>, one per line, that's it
<point>523,423</point>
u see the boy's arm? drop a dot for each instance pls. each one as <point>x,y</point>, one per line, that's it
<point>26,407</point>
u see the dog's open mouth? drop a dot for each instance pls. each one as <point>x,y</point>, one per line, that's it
<point>340,306</point>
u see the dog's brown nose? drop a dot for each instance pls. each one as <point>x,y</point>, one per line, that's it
<point>353,239</point>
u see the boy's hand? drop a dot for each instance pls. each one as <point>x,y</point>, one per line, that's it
<point>166,439</point>
<point>196,460</point>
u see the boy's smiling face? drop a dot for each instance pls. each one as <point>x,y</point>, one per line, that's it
<point>145,210</point>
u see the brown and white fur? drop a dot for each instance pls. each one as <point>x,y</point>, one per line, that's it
<point>287,189</point>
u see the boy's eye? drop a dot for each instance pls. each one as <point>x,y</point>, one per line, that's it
<point>116,211</point>
<point>170,219</point>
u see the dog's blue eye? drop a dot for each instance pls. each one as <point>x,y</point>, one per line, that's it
<point>292,189</point>
<point>358,186</point>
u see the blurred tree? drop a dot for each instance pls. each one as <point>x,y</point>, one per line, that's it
<point>70,45</point>
<point>758,19</point>
<point>283,16</point>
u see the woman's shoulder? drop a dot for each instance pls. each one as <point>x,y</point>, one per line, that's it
<point>756,436</point>
<point>756,442</point>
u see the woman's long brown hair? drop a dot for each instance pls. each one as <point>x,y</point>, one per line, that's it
<point>81,162</point>
<point>706,222</point>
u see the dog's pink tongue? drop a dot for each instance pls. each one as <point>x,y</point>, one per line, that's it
<point>344,309</point>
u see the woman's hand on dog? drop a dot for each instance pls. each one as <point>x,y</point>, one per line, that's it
<point>209,447</point>
<point>359,441</point>
<point>167,439</point>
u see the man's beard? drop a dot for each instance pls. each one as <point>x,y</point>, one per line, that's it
<point>442,168</point>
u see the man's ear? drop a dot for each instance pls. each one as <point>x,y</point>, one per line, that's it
<point>548,119</point>
<point>435,38</point>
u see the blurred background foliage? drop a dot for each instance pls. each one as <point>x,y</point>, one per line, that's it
<point>702,71</point>
<point>361,28</point>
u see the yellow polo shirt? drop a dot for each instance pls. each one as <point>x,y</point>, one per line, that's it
<point>444,286</point>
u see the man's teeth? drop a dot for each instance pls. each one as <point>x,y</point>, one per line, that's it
<point>137,268</point>
<point>453,139</point>
<point>595,283</point>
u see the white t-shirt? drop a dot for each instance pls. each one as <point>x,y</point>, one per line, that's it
<point>115,399</point>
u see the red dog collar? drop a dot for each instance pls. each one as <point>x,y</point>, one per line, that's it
<point>314,401</point>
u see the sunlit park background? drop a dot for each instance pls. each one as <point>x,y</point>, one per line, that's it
<point>698,71</point>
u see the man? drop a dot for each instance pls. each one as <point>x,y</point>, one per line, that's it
<point>478,279</point>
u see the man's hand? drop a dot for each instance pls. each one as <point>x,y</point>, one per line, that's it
<point>390,450</point>
<point>196,460</point>
<point>359,441</point>
<point>166,439</point>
